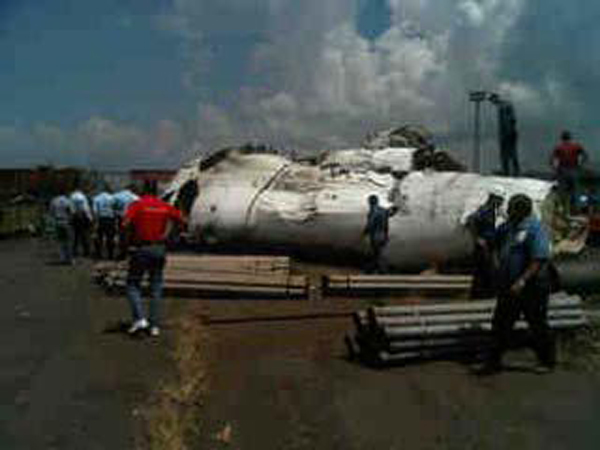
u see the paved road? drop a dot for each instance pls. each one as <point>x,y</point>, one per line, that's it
<point>64,383</point>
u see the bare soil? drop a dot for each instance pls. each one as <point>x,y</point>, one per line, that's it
<point>219,378</point>
<point>288,385</point>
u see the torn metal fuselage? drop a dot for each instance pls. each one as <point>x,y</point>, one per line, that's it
<point>269,200</point>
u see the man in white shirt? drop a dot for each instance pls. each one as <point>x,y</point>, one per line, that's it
<point>106,225</point>
<point>82,223</point>
<point>122,200</point>
<point>61,211</point>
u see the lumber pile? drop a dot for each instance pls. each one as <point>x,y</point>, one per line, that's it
<point>422,284</point>
<point>230,264</point>
<point>398,334</point>
<point>217,275</point>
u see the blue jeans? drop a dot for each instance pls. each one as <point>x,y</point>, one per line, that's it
<point>146,259</point>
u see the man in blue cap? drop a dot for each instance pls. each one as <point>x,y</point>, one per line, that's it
<point>523,285</point>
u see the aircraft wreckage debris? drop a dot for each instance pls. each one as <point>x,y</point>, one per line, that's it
<point>252,198</point>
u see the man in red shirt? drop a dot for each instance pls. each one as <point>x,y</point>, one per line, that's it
<point>148,223</point>
<point>567,159</point>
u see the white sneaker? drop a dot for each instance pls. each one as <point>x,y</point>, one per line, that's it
<point>154,331</point>
<point>138,325</point>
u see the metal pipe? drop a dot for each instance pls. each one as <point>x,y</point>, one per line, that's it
<point>555,302</point>
<point>464,318</point>
<point>406,286</point>
<point>391,358</point>
<point>453,329</point>
<point>345,279</point>
<point>477,97</point>
<point>399,346</point>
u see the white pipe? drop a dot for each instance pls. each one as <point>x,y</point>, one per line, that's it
<point>463,318</point>
<point>556,301</point>
<point>436,330</point>
<point>399,346</point>
<point>382,279</point>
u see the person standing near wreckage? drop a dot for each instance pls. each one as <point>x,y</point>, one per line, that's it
<point>508,136</point>
<point>61,211</point>
<point>148,223</point>
<point>377,230</point>
<point>122,200</point>
<point>82,223</point>
<point>482,224</point>
<point>523,285</point>
<point>106,224</point>
<point>567,161</point>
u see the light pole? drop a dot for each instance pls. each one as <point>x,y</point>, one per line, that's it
<point>477,97</point>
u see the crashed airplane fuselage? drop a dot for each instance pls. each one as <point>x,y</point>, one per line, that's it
<point>266,199</point>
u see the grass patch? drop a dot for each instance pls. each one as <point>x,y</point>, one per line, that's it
<point>172,418</point>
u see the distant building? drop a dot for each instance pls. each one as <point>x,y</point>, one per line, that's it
<point>15,181</point>
<point>42,182</point>
<point>161,177</point>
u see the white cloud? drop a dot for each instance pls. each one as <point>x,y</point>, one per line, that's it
<point>473,12</point>
<point>321,82</point>
<point>169,139</point>
<point>317,83</point>
<point>97,142</point>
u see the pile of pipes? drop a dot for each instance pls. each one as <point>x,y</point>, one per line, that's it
<point>398,334</point>
<point>217,275</point>
<point>451,285</point>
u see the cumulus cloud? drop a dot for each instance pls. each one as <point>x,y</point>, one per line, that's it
<point>323,84</point>
<point>98,142</point>
<point>311,80</point>
<point>302,74</point>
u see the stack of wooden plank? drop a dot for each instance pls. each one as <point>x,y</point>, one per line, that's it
<point>422,284</point>
<point>221,275</point>
<point>398,334</point>
<point>232,264</point>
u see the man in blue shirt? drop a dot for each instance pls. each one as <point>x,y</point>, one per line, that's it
<point>377,229</point>
<point>122,200</point>
<point>482,224</point>
<point>523,284</point>
<point>106,223</point>
<point>61,211</point>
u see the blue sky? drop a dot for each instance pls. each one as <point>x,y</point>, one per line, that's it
<point>66,60</point>
<point>122,83</point>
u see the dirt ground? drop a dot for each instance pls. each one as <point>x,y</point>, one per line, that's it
<point>289,386</point>
<point>272,384</point>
